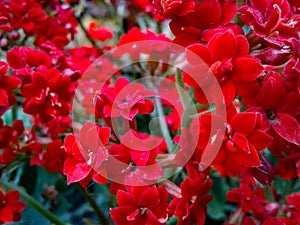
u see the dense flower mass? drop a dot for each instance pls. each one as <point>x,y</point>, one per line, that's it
<point>158,112</point>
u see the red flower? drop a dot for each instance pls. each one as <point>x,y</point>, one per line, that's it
<point>7,84</point>
<point>86,154</point>
<point>227,57</point>
<point>279,107</point>
<point>191,206</point>
<point>10,207</point>
<point>127,100</point>
<point>243,139</point>
<point>207,14</point>
<point>48,95</point>
<point>141,205</point>
<point>26,14</point>
<point>172,9</point>
<point>99,33</point>
<point>265,16</point>
<point>248,198</point>
<point>24,60</point>
<point>136,160</point>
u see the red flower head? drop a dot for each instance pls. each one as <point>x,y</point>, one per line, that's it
<point>207,14</point>
<point>227,57</point>
<point>279,107</point>
<point>24,60</point>
<point>86,154</point>
<point>141,205</point>
<point>171,9</point>
<point>265,16</point>
<point>10,207</point>
<point>243,139</point>
<point>127,100</point>
<point>136,160</point>
<point>7,84</point>
<point>248,198</point>
<point>26,14</point>
<point>99,33</point>
<point>48,96</point>
<point>191,206</point>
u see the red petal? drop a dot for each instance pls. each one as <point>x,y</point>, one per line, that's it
<point>13,195</point>
<point>244,122</point>
<point>242,46</point>
<point>272,94</point>
<point>149,198</point>
<point>197,54</point>
<point>246,69</point>
<point>6,214</point>
<point>242,142</point>
<point>75,170</point>
<point>259,139</point>
<point>251,160</point>
<point>222,46</point>
<point>287,127</point>
<point>125,199</point>
<point>3,98</point>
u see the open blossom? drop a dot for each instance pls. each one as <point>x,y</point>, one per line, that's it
<point>172,9</point>
<point>227,57</point>
<point>269,11</point>
<point>191,207</point>
<point>279,107</point>
<point>127,100</point>
<point>206,15</point>
<point>141,205</point>
<point>49,95</point>
<point>244,138</point>
<point>86,154</point>
<point>10,206</point>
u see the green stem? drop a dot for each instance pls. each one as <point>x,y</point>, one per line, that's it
<point>33,203</point>
<point>101,217</point>
<point>163,125</point>
<point>14,112</point>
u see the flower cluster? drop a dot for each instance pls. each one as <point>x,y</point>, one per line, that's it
<point>180,107</point>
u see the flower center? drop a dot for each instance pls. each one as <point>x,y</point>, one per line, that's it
<point>143,210</point>
<point>271,114</point>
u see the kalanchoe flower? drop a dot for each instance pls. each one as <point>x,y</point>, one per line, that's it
<point>99,33</point>
<point>244,138</point>
<point>24,60</point>
<point>26,14</point>
<point>171,9</point>
<point>279,108</point>
<point>127,100</point>
<point>268,17</point>
<point>86,154</point>
<point>49,95</point>
<point>207,14</point>
<point>133,160</point>
<point>10,207</point>
<point>191,207</point>
<point>141,205</point>
<point>227,57</point>
<point>7,85</point>
<point>250,200</point>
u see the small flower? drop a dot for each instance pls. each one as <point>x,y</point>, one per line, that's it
<point>141,205</point>
<point>10,206</point>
